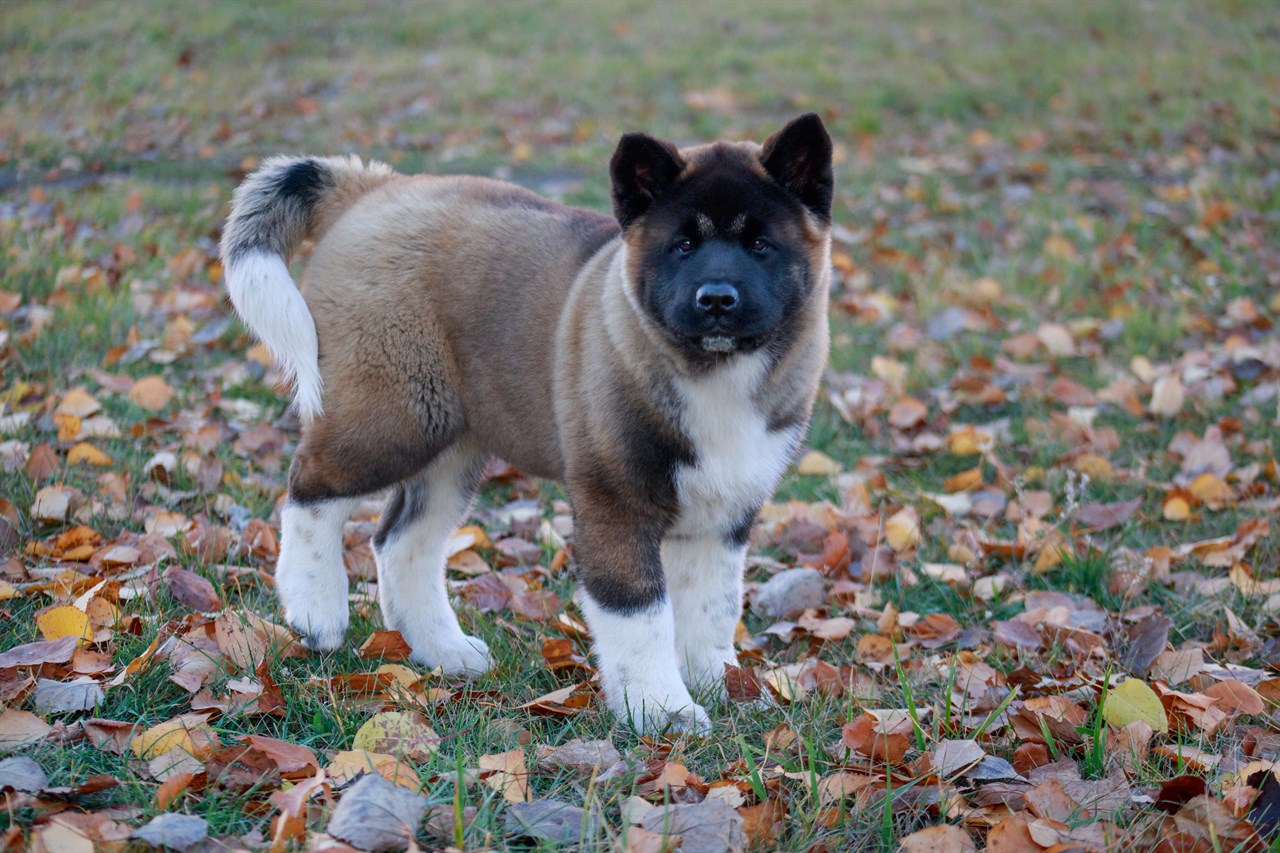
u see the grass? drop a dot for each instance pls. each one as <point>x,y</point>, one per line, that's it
<point>969,136</point>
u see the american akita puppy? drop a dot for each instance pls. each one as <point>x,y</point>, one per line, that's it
<point>663,366</point>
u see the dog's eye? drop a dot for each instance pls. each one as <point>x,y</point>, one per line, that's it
<point>683,246</point>
<point>760,245</point>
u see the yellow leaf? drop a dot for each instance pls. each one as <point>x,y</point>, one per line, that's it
<point>1132,701</point>
<point>1176,508</point>
<point>78,403</point>
<point>1097,468</point>
<point>399,733</point>
<point>969,441</point>
<point>964,481</point>
<point>188,733</point>
<point>151,393</point>
<point>817,464</point>
<point>348,764</point>
<point>64,621</point>
<point>902,530</point>
<point>476,531</point>
<point>86,452</point>
<point>68,426</point>
<point>1211,490</point>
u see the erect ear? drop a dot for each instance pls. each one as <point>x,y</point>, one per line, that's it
<point>799,158</point>
<point>642,167</point>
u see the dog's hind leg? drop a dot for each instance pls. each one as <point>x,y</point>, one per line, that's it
<point>310,577</point>
<point>410,550</point>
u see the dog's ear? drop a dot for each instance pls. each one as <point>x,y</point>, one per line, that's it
<point>642,167</point>
<point>799,158</point>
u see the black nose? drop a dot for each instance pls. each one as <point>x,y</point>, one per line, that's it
<point>717,298</point>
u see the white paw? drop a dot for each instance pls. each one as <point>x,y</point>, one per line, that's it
<point>320,625</point>
<point>460,655</point>
<point>657,716</point>
<point>653,709</point>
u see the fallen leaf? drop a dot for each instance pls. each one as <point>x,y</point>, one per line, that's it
<point>65,621</point>
<point>192,590</point>
<point>943,838</point>
<point>41,652</point>
<point>1147,639</point>
<point>554,821</point>
<point>1167,396</point>
<point>390,645</point>
<point>20,728</point>
<point>507,775</point>
<point>173,830</point>
<point>89,455</point>
<point>404,734</point>
<point>818,464</point>
<point>953,757</point>
<point>21,773</point>
<point>62,697</point>
<point>902,529</point>
<point>1132,701</point>
<point>710,826</point>
<point>151,393</point>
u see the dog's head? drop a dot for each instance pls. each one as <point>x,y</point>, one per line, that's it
<point>726,242</point>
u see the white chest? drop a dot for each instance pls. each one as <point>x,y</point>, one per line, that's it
<point>739,459</point>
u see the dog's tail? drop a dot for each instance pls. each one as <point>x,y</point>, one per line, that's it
<point>277,207</point>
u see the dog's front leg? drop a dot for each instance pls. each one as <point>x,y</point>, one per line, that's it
<point>704,576</point>
<point>631,623</point>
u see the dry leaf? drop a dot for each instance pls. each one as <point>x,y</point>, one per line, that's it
<point>505,773</point>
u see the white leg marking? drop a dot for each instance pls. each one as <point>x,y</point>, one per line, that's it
<point>310,577</point>
<point>704,581</point>
<point>411,568</point>
<point>639,670</point>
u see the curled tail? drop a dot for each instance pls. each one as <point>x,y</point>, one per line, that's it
<point>277,207</point>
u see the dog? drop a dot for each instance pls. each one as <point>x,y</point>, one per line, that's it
<point>662,363</point>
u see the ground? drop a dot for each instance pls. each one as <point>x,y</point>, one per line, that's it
<point>1040,499</point>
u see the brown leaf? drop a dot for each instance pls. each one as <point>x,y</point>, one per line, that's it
<point>40,652</point>
<point>293,761</point>
<point>907,413</point>
<point>1100,516</point>
<point>486,593</point>
<point>1147,639</point>
<point>239,768</point>
<point>1176,792</point>
<point>192,590</point>
<point>741,683</point>
<point>21,728</point>
<point>943,837</point>
<point>390,645</point>
<point>536,605</point>
<point>238,642</point>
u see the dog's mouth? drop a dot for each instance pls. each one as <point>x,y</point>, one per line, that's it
<point>721,344</point>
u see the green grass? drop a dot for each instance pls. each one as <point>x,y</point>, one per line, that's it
<point>125,126</point>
